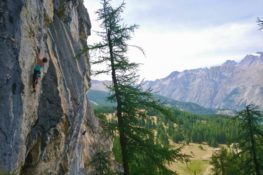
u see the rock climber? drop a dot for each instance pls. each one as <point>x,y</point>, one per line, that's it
<point>40,62</point>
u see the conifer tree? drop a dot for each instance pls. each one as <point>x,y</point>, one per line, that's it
<point>101,163</point>
<point>141,152</point>
<point>226,162</point>
<point>251,139</point>
<point>248,155</point>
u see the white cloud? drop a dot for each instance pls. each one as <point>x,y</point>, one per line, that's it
<point>169,49</point>
<point>179,50</point>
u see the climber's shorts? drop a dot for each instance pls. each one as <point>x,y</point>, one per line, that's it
<point>36,75</point>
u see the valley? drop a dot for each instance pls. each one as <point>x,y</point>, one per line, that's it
<point>204,102</point>
<point>199,135</point>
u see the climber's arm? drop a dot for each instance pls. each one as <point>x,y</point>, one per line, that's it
<point>38,58</point>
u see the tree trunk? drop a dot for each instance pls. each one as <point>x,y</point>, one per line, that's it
<point>253,144</point>
<point>121,127</point>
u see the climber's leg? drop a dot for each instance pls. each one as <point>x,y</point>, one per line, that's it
<point>35,79</point>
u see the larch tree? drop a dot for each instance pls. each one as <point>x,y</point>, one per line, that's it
<point>142,152</point>
<point>247,157</point>
<point>251,139</point>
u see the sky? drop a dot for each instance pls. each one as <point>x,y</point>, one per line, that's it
<point>185,34</point>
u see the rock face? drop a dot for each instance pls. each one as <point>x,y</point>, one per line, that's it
<point>52,131</point>
<point>229,86</point>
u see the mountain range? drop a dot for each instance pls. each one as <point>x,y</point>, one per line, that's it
<point>231,85</point>
<point>98,98</point>
<point>218,89</point>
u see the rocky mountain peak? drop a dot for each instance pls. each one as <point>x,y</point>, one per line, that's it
<point>229,86</point>
<point>229,63</point>
<point>252,59</point>
<point>173,74</point>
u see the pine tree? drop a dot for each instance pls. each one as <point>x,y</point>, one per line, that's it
<point>101,163</point>
<point>142,152</point>
<point>226,162</point>
<point>247,157</point>
<point>251,139</point>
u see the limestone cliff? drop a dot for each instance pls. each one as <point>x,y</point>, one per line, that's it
<point>52,131</point>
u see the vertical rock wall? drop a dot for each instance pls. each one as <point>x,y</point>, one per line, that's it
<point>52,131</point>
<point>11,85</point>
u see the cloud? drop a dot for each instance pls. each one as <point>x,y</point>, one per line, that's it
<point>179,50</point>
<point>191,13</point>
<point>179,34</point>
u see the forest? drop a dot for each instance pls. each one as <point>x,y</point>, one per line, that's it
<point>230,134</point>
<point>143,129</point>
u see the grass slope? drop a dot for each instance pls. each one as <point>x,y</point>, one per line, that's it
<point>199,161</point>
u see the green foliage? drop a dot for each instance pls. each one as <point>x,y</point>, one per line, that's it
<point>147,153</point>
<point>247,154</point>
<point>251,139</point>
<point>199,128</point>
<point>101,163</point>
<point>142,152</point>
<point>117,149</point>
<point>226,162</point>
<point>103,109</point>
<point>196,167</point>
<point>212,129</point>
<point>184,126</point>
